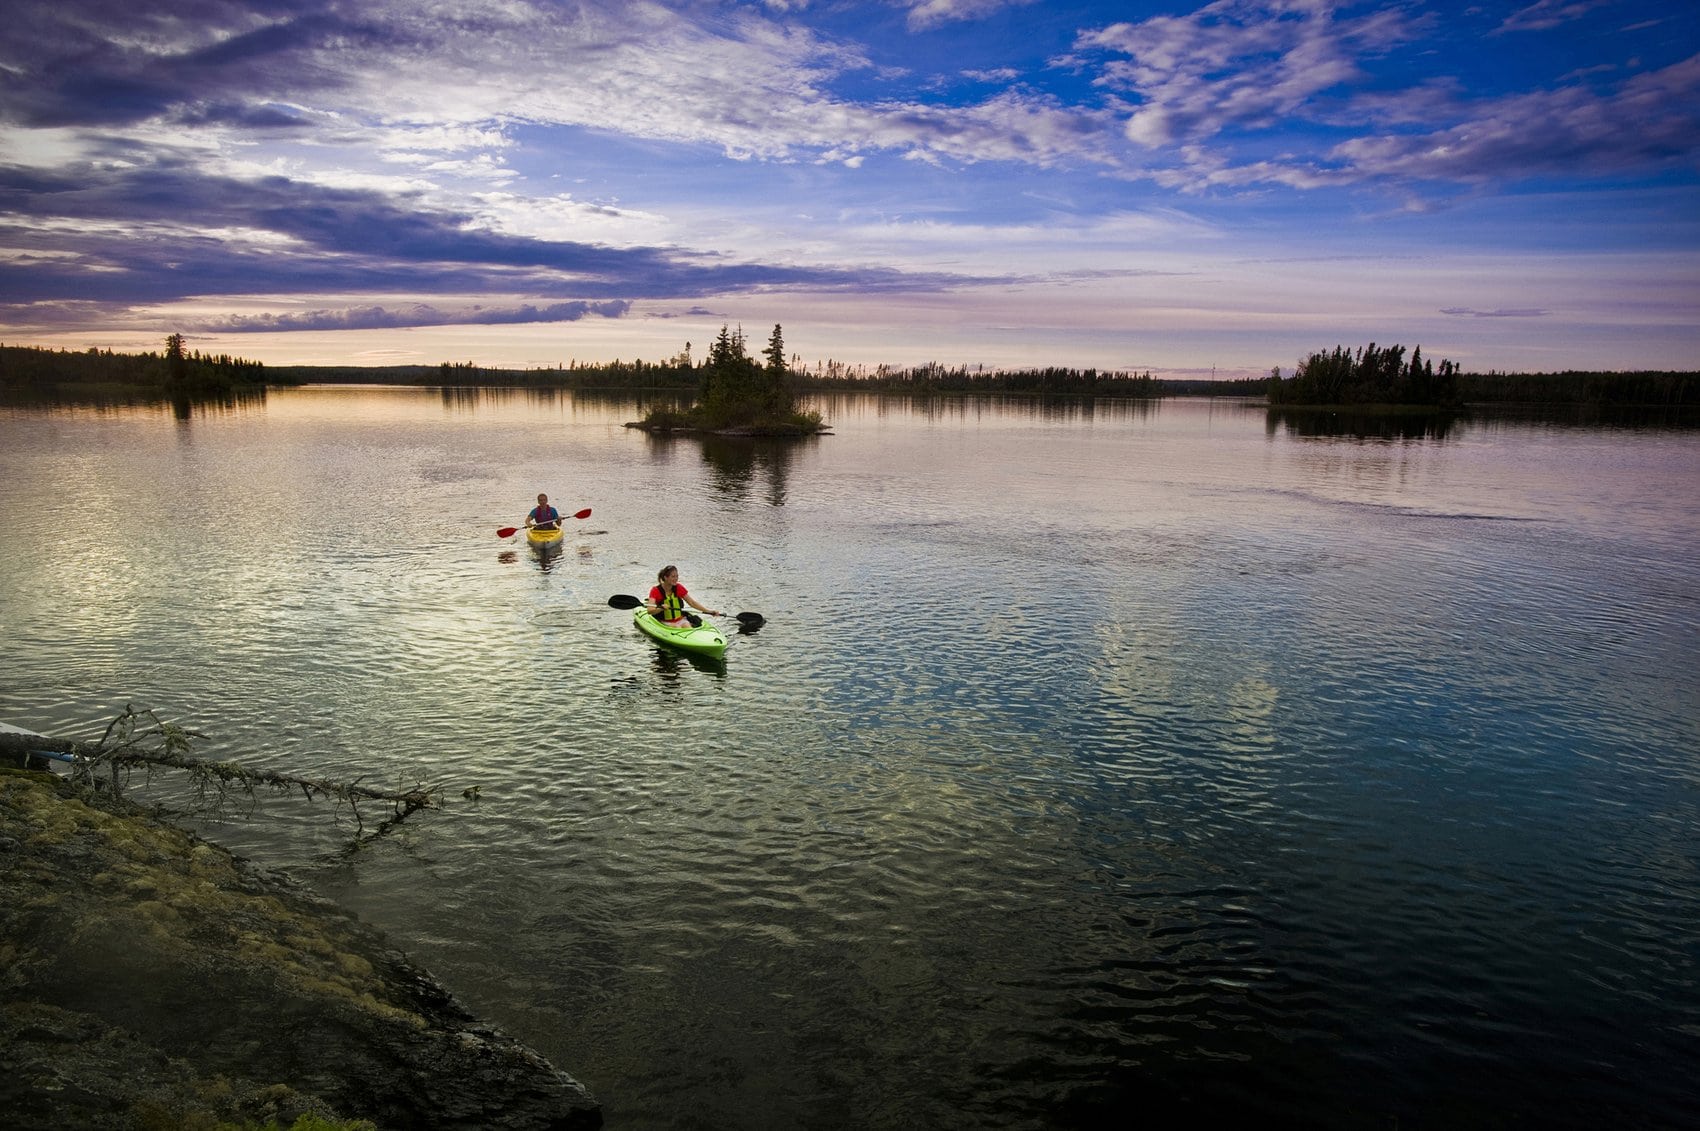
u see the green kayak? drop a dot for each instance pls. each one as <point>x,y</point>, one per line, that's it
<point>701,640</point>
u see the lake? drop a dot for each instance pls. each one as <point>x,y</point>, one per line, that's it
<point>1099,764</point>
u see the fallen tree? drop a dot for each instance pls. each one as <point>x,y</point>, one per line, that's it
<point>141,740</point>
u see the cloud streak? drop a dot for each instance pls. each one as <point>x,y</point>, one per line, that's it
<point>417,314</point>
<point>125,236</point>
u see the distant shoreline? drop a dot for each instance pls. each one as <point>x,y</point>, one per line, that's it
<point>29,372</point>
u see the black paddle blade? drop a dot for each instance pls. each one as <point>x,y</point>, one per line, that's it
<point>624,601</point>
<point>751,620</point>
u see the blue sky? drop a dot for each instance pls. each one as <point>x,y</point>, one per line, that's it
<point>1182,188</point>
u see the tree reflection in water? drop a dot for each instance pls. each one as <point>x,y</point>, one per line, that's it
<point>1325,424</point>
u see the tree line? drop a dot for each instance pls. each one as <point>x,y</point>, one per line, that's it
<point>637,376</point>
<point>936,378</point>
<point>1638,389</point>
<point>172,372</point>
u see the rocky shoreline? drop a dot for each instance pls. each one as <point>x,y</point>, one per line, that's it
<point>154,980</point>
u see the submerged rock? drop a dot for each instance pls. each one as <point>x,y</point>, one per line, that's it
<point>152,979</point>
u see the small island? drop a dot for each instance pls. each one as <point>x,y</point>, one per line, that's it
<point>736,396</point>
<point>1382,380</point>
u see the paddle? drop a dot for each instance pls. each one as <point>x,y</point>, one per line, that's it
<point>510,531</point>
<point>627,601</point>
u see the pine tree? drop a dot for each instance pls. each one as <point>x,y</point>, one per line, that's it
<point>176,365</point>
<point>776,395</point>
<point>731,382</point>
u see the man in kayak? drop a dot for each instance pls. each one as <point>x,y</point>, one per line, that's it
<point>667,600</point>
<point>543,516</point>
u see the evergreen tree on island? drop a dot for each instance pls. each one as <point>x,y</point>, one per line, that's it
<point>737,394</point>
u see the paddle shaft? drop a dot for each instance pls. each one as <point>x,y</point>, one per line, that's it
<point>627,601</point>
<point>510,531</point>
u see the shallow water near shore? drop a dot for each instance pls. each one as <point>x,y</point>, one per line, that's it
<point>1093,757</point>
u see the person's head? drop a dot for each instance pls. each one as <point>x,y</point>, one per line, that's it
<point>543,500</point>
<point>668,575</point>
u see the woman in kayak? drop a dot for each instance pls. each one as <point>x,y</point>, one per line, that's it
<point>667,600</point>
<point>543,516</point>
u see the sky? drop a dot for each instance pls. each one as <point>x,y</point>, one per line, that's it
<point>1185,189</point>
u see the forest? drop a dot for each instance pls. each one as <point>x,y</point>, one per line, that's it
<point>174,372</point>
<point>1371,376</point>
<point>1639,389</point>
<point>936,378</point>
<point>636,375</point>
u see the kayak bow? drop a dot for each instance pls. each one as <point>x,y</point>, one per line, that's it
<point>544,539</point>
<point>703,640</point>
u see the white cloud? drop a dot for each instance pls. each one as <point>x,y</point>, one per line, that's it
<point>562,217</point>
<point>925,15</point>
<point>1651,119</point>
<point>1235,64</point>
<point>752,89</point>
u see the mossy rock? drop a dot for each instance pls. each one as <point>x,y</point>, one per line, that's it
<point>153,979</point>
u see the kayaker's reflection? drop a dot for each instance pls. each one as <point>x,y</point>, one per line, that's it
<point>670,665</point>
<point>667,600</point>
<point>545,559</point>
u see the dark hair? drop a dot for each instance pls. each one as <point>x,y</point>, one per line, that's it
<point>661,574</point>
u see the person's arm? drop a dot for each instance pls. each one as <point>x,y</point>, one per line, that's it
<point>700,607</point>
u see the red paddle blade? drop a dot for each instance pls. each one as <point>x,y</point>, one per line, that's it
<point>507,532</point>
<point>585,513</point>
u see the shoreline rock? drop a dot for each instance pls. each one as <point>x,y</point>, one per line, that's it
<point>153,979</point>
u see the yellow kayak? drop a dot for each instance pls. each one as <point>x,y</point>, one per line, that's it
<point>544,539</point>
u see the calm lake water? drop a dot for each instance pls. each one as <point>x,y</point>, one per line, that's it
<point>1101,765</point>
